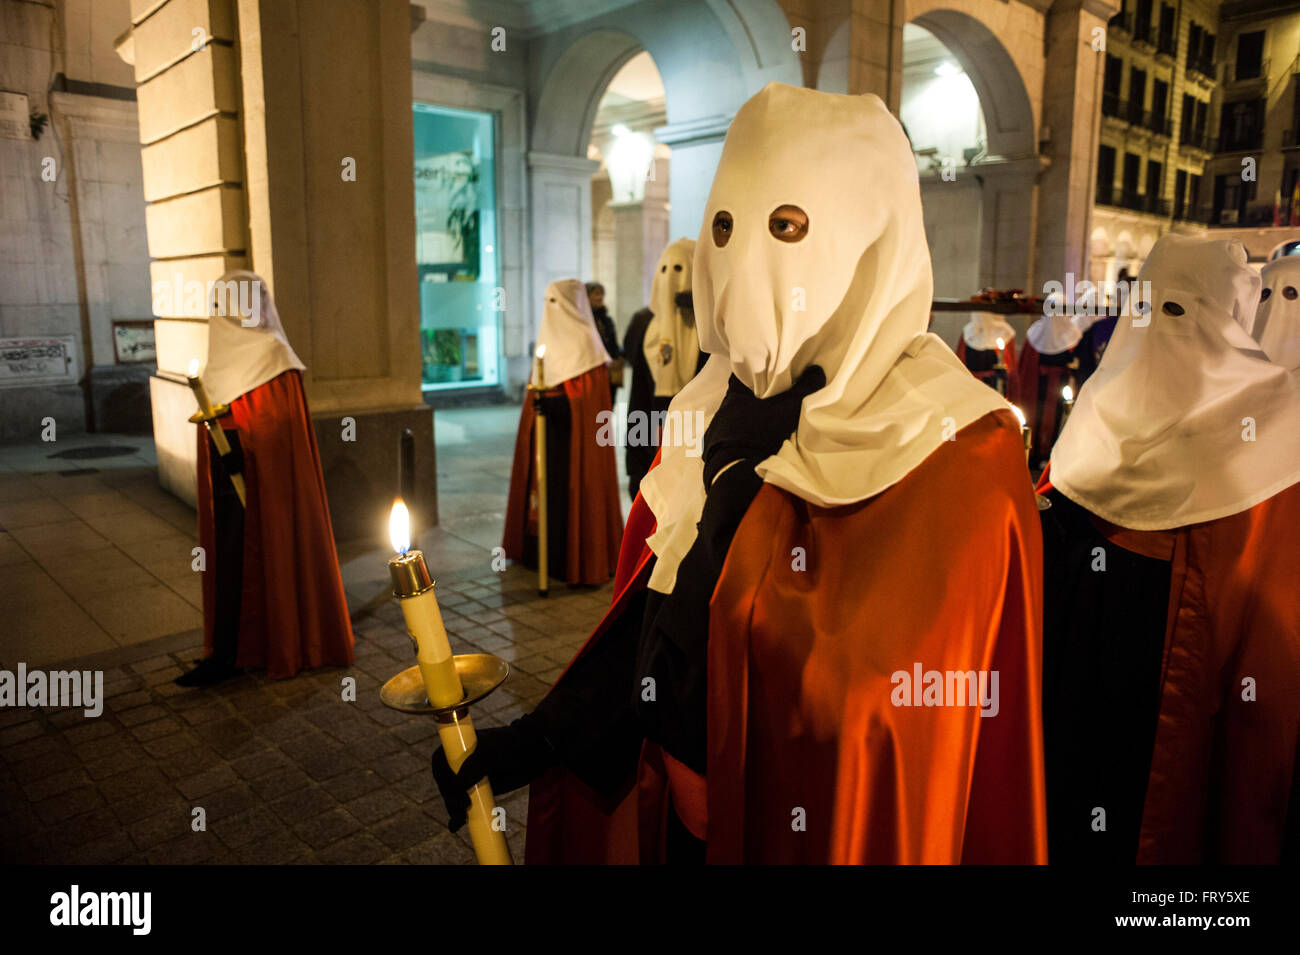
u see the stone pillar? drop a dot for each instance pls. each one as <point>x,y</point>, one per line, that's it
<point>876,50</point>
<point>186,69</point>
<point>560,189</point>
<point>1010,221</point>
<point>284,144</point>
<point>696,148</point>
<point>630,250</point>
<point>1071,96</point>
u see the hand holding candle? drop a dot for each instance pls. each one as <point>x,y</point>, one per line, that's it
<point>413,587</point>
<point>208,417</point>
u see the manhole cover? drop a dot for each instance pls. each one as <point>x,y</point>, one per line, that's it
<point>93,452</point>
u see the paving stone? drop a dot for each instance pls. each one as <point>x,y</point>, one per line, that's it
<point>198,786</point>
<point>303,804</point>
<point>278,848</point>
<point>280,782</point>
<point>378,805</point>
<point>361,849</point>
<point>243,828</point>
<point>327,828</point>
<point>404,830</point>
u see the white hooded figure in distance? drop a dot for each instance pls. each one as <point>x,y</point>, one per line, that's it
<point>860,517</point>
<point>1277,320</point>
<point>272,592</point>
<point>672,345</point>
<point>1171,615</point>
<point>585,522</point>
<point>988,348</point>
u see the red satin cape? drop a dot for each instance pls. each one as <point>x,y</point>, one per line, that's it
<point>1225,770</point>
<point>809,760</point>
<point>595,516</point>
<point>293,613</point>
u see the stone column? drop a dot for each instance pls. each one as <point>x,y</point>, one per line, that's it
<point>560,190</point>
<point>696,148</point>
<point>284,143</point>
<point>630,249</point>
<point>876,50</point>
<point>1010,221</point>
<point>186,69</point>
<point>1071,96</point>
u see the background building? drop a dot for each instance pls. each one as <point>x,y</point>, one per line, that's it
<point>1194,95</point>
<point>409,176</point>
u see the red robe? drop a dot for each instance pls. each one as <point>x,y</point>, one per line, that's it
<point>293,614</point>
<point>1224,785</point>
<point>1043,419</point>
<point>800,680</point>
<point>595,518</point>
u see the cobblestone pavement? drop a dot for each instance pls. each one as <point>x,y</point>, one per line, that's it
<point>285,771</point>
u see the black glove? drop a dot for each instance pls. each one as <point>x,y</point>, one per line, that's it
<point>509,756</point>
<point>749,427</point>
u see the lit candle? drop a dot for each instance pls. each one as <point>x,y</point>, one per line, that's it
<point>539,375</point>
<point>196,385</point>
<point>413,588</point>
<point>1025,433</point>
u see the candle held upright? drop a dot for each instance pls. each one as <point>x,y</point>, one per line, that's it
<point>1027,436</point>
<point>538,387</point>
<point>208,416</point>
<point>414,589</point>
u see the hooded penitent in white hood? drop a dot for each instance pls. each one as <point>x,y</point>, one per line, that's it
<point>852,295</point>
<point>672,346</point>
<point>1277,322</point>
<point>983,331</point>
<point>568,333</point>
<point>1053,334</point>
<point>1185,420</point>
<point>246,342</point>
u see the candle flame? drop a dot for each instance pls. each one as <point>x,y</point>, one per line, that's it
<point>194,367</point>
<point>1001,344</point>
<point>1067,393</point>
<point>399,527</point>
<point>1020,415</point>
<point>541,351</point>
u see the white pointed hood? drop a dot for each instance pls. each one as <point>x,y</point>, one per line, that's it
<point>568,333</point>
<point>1185,420</point>
<point>247,346</point>
<point>1277,321</point>
<point>672,345</point>
<point>1053,334</point>
<point>853,296</point>
<point>984,329</point>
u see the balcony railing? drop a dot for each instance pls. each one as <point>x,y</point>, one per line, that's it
<point>1200,65</point>
<point>1108,195</point>
<point>1196,138</point>
<point>1291,139</point>
<point>1133,112</point>
<point>1244,73</point>
<point>1142,32</point>
<point>1158,123</point>
<point>1123,22</point>
<point>1234,142</point>
<point>1110,104</point>
<point>1167,43</point>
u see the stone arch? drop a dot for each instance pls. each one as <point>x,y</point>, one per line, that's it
<point>1004,96</point>
<point>580,76</point>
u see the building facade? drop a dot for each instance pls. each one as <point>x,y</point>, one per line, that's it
<point>1197,136</point>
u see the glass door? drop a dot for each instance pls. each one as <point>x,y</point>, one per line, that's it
<point>456,247</point>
